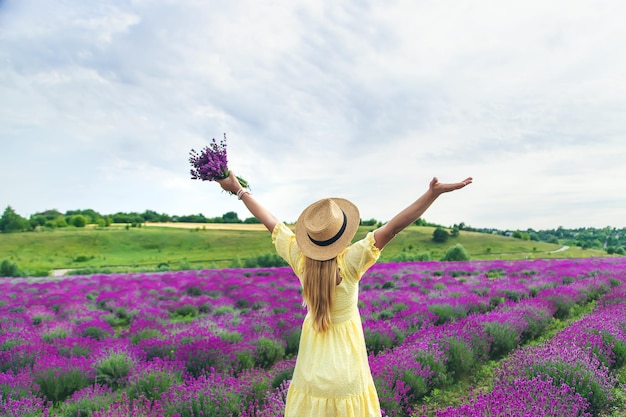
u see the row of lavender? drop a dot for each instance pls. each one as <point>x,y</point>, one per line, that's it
<point>573,374</point>
<point>223,342</point>
<point>440,355</point>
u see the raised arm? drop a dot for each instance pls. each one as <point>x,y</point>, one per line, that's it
<point>232,185</point>
<point>388,231</point>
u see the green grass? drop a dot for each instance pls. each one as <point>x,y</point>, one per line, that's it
<point>146,248</point>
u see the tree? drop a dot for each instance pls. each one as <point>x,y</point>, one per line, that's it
<point>440,235</point>
<point>78,220</point>
<point>231,217</point>
<point>13,222</point>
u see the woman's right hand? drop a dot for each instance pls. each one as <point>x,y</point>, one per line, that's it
<point>230,183</point>
<point>439,188</point>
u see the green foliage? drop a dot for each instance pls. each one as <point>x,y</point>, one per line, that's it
<point>563,305</point>
<point>231,337</point>
<point>223,310</point>
<point>120,317</point>
<point>151,384</point>
<point>231,217</point>
<point>456,253</point>
<point>83,407</point>
<point>186,310</point>
<point>78,220</point>
<point>54,334</point>
<point>82,258</point>
<point>267,260</point>
<point>618,349</point>
<point>386,314</point>
<point>243,360</point>
<point>221,403</point>
<point>267,352</point>
<point>57,384</point>
<point>537,324</point>
<point>9,269</point>
<point>282,376</point>
<point>113,370</point>
<point>576,376</point>
<point>440,235</point>
<point>405,256</point>
<point>370,222</point>
<point>428,361</point>
<point>292,341</point>
<point>16,363</point>
<point>13,222</point>
<point>460,359</point>
<point>446,312</point>
<point>388,285</point>
<point>417,384</point>
<point>503,337</point>
<point>94,332</point>
<point>377,341</point>
<point>144,334</point>
<point>194,291</point>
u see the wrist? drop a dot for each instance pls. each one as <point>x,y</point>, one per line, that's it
<point>432,194</point>
<point>242,191</point>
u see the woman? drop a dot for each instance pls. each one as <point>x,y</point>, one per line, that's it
<point>332,375</point>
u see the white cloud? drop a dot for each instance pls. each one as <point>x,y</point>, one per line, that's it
<point>100,105</point>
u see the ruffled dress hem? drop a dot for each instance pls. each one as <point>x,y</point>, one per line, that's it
<point>301,404</point>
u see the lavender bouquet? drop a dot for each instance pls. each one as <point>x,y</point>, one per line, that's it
<point>212,163</point>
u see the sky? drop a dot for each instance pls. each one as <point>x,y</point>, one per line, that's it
<point>101,103</point>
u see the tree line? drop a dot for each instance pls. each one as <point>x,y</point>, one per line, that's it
<point>610,239</point>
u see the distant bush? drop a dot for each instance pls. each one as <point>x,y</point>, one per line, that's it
<point>412,257</point>
<point>440,235</point>
<point>268,260</point>
<point>456,253</point>
<point>9,269</point>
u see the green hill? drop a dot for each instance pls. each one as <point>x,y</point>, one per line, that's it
<point>118,248</point>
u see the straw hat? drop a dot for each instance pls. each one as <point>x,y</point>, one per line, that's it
<point>326,227</point>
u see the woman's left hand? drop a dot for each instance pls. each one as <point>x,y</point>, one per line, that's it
<point>230,183</point>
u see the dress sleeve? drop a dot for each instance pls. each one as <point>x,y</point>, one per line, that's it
<point>285,242</point>
<point>360,256</point>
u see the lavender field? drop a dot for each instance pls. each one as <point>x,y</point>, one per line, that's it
<point>224,342</point>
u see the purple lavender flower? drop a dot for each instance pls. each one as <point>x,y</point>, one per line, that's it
<point>211,163</point>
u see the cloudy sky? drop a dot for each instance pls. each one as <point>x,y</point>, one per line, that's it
<point>101,102</point>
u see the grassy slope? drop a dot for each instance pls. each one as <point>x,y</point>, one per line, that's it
<point>150,246</point>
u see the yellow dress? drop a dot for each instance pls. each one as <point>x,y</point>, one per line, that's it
<point>332,376</point>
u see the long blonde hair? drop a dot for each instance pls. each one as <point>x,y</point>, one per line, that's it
<point>318,288</point>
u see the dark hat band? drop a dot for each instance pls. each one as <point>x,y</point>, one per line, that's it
<point>333,239</point>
